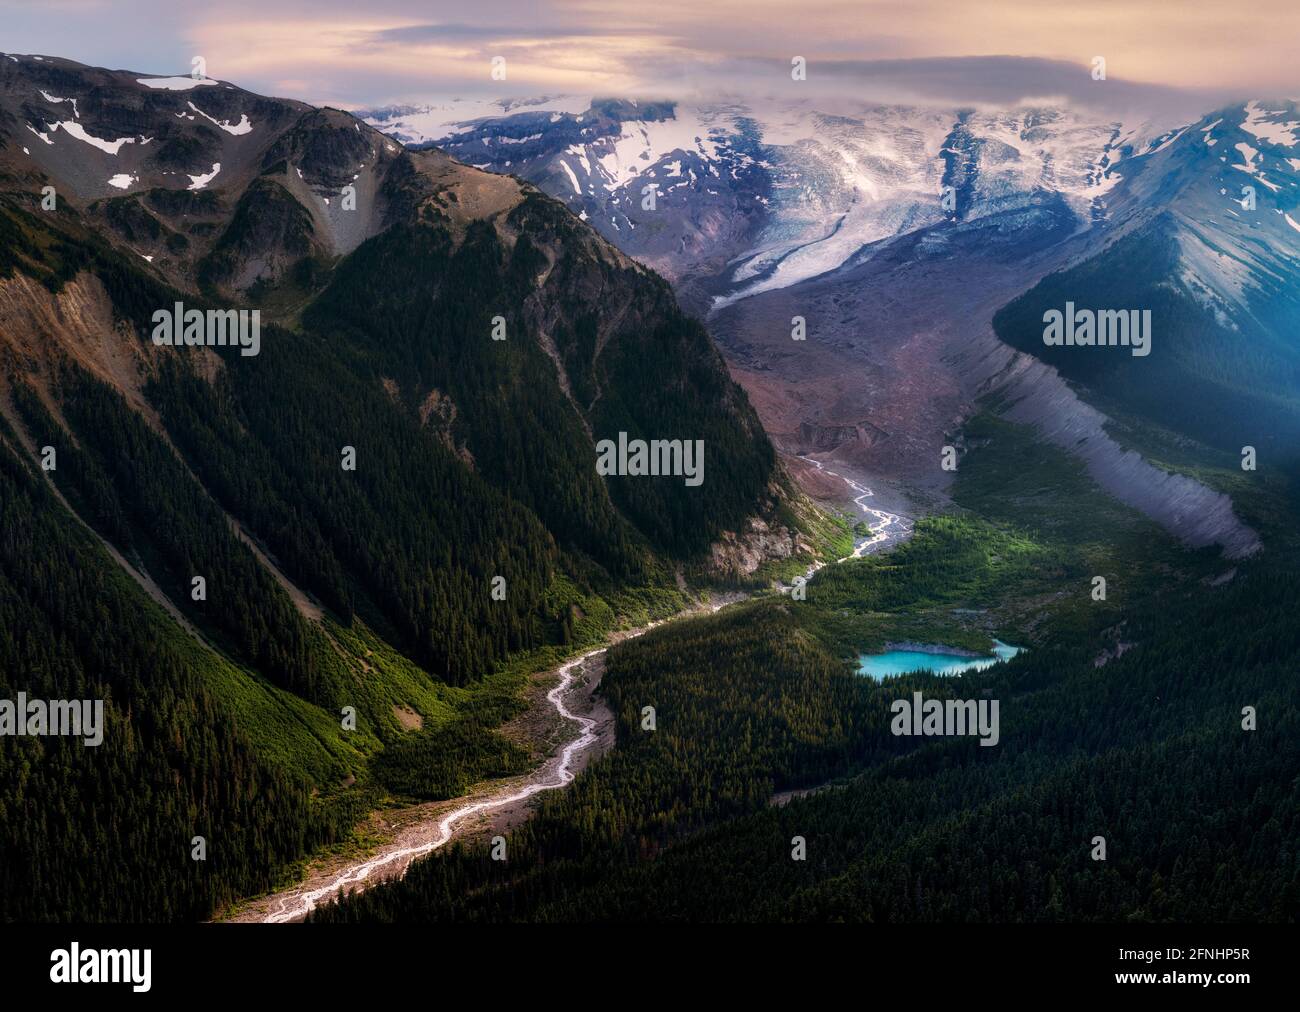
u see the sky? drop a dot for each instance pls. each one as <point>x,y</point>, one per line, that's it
<point>364,53</point>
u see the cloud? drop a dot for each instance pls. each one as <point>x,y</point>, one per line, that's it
<point>345,53</point>
<point>480,33</point>
<point>988,81</point>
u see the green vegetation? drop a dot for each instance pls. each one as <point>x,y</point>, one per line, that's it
<point>414,305</point>
<point>367,594</point>
<point>446,762</point>
<point>1148,750</point>
<point>104,833</point>
<point>267,220</point>
<point>325,589</point>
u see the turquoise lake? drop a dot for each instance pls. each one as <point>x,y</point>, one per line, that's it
<point>898,662</point>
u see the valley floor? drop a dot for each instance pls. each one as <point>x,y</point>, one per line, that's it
<point>558,701</point>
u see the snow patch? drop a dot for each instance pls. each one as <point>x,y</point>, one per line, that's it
<point>79,132</point>
<point>198,182</point>
<point>572,178</point>
<point>445,119</point>
<point>644,142</point>
<point>174,83</point>
<point>1249,154</point>
<point>1285,134</point>
<point>579,153</point>
<point>238,129</point>
<point>1166,144</point>
<point>56,100</point>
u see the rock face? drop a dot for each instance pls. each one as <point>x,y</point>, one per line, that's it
<point>1198,515</point>
<point>211,184</point>
<point>741,554</point>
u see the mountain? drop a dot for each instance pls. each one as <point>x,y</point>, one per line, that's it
<point>375,507</point>
<point>762,195</point>
<point>768,211</point>
<point>310,570</point>
<point>774,788</point>
<point>1210,243</point>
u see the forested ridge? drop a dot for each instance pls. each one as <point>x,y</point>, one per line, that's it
<point>104,833</point>
<point>474,469</point>
<point>1195,383</point>
<point>416,306</point>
